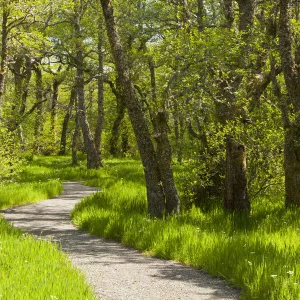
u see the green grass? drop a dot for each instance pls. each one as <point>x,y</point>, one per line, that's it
<point>34,269</point>
<point>12,194</point>
<point>31,268</point>
<point>258,253</point>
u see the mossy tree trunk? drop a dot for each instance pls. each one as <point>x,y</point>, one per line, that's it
<point>236,194</point>
<point>164,157</point>
<point>291,71</point>
<point>155,194</point>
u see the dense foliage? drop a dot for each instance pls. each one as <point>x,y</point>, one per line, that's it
<point>214,67</point>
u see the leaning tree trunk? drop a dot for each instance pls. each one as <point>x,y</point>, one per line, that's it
<point>155,194</point>
<point>236,195</point>
<point>63,139</point>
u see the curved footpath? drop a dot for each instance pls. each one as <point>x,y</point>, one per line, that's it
<point>116,272</point>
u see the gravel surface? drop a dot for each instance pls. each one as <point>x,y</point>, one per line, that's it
<point>115,272</point>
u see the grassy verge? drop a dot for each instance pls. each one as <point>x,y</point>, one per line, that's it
<point>31,268</point>
<point>34,269</point>
<point>258,253</point>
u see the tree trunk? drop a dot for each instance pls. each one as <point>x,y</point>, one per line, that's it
<point>21,80</point>
<point>246,13</point>
<point>115,133</point>
<point>75,140</point>
<point>292,165</point>
<point>92,155</point>
<point>4,54</point>
<point>229,13</point>
<point>292,129</point>
<point>93,161</point>
<point>38,125</point>
<point>55,87</point>
<point>63,140</point>
<point>200,15</point>
<point>236,194</point>
<point>164,157</point>
<point>155,194</point>
<point>100,118</point>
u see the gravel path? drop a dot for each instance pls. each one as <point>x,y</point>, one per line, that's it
<point>116,272</point>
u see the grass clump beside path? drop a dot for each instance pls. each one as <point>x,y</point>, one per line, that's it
<point>35,269</point>
<point>258,253</point>
<point>31,268</point>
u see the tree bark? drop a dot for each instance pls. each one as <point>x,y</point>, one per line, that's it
<point>246,13</point>
<point>4,53</point>
<point>54,101</point>
<point>100,118</point>
<point>115,132</point>
<point>75,140</point>
<point>236,194</point>
<point>164,157</point>
<point>292,164</point>
<point>229,13</point>
<point>93,161</point>
<point>200,15</point>
<point>63,139</point>
<point>292,128</point>
<point>155,194</point>
<point>38,125</point>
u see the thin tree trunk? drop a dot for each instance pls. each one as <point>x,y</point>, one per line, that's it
<point>155,194</point>
<point>54,101</point>
<point>92,155</point>
<point>115,132</point>
<point>75,140</point>
<point>236,193</point>
<point>93,161</point>
<point>4,53</point>
<point>63,140</point>
<point>100,118</point>
<point>38,125</point>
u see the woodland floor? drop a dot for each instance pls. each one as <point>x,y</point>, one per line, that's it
<point>115,272</point>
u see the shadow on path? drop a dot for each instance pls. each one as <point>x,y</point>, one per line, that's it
<point>115,272</point>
